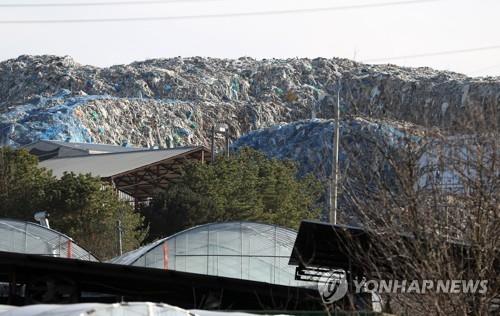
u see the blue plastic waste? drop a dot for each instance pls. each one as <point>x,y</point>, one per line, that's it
<point>46,118</point>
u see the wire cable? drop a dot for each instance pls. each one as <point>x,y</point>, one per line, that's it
<point>219,15</point>
<point>443,53</point>
<point>92,4</point>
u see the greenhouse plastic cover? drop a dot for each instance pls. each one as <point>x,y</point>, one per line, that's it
<point>31,238</point>
<point>243,250</point>
<point>117,309</point>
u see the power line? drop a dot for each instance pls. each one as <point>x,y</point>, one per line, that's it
<point>220,15</point>
<point>449,52</point>
<point>92,4</point>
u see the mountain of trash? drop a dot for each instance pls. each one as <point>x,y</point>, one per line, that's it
<point>310,142</point>
<point>176,101</point>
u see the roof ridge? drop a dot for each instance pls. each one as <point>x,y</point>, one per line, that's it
<point>127,152</point>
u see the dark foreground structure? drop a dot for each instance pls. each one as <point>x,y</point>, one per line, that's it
<point>323,247</point>
<point>36,279</point>
<point>320,247</point>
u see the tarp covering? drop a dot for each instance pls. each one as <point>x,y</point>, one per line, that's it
<point>117,309</point>
<point>95,309</point>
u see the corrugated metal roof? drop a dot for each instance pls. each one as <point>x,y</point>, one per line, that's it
<point>104,148</point>
<point>111,164</point>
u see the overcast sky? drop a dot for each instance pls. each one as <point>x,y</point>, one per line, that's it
<point>371,33</point>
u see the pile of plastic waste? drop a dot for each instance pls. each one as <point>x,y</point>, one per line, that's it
<point>310,142</point>
<point>45,118</point>
<point>136,121</point>
<point>172,102</point>
<point>169,102</point>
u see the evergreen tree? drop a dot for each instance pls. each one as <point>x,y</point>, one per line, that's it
<point>245,186</point>
<point>85,209</point>
<point>22,184</point>
<point>80,206</point>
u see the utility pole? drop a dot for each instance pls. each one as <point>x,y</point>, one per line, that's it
<point>119,231</point>
<point>226,134</point>
<point>212,144</point>
<point>335,164</point>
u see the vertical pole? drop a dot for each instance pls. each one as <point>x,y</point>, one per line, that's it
<point>212,143</point>
<point>136,200</point>
<point>226,134</point>
<point>335,163</point>
<point>329,196</point>
<point>208,249</point>
<point>241,249</point>
<point>119,231</point>
<point>259,116</point>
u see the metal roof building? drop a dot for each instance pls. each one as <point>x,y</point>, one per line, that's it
<point>48,149</point>
<point>137,173</point>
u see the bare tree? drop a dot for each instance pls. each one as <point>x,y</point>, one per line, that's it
<point>430,200</point>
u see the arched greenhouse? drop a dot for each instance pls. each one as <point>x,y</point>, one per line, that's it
<point>243,250</point>
<point>31,238</point>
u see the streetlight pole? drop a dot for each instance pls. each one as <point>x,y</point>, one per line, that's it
<point>222,129</point>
